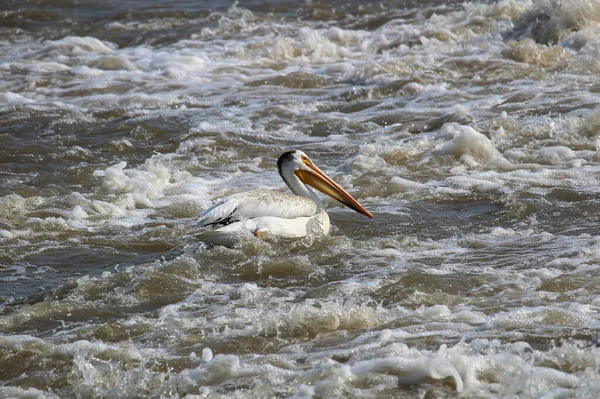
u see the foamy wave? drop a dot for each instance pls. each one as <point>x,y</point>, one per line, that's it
<point>551,22</point>
<point>74,46</point>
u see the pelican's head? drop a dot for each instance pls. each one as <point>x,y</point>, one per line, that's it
<point>298,163</point>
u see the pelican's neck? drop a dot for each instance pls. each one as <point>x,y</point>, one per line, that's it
<point>299,188</point>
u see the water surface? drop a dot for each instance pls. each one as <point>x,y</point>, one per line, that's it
<point>469,129</point>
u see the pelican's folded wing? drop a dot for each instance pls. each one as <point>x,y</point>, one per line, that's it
<point>257,204</point>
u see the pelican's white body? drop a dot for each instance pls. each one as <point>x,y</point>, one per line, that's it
<point>272,213</point>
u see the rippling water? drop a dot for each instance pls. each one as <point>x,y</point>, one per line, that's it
<point>469,129</point>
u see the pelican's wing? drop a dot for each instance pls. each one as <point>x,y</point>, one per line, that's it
<point>257,204</point>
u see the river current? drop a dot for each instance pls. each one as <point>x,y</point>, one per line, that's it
<point>469,129</point>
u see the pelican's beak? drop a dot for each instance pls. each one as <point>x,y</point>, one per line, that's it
<point>316,178</point>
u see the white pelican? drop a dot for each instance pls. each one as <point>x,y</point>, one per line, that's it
<point>271,213</point>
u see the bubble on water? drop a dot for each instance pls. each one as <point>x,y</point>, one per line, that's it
<point>112,63</point>
<point>412,371</point>
<point>28,393</point>
<point>207,355</point>
<point>14,98</point>
<point>553,155</point>
<point>74,46</point>
<point>467,144</point>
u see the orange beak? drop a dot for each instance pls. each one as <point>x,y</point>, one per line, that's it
<point>317,179</point>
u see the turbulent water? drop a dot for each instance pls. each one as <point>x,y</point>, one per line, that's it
<point>469,129</point>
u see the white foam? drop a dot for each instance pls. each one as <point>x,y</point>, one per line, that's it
<point>14,98</point>
<point>178,66</point>
<point>113,63</point>
<point>144,183</point>
<point>412,371</point>
<point>436,312</point>
<point>470,146</point>
<point>134,194</point>
<point>207,355</point>
<point>530,317</point>
<point>29,393</point>
<point>501,232</point>
<point>74,46</point>
<point>553,155</point>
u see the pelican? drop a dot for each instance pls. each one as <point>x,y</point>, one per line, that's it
<point>272,213</point>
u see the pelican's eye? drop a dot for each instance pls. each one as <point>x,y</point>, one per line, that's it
<point>306,160</point>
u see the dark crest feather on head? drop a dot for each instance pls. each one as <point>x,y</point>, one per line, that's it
<point>286,156</point>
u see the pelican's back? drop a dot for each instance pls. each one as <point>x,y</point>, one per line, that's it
<point>256,204</point>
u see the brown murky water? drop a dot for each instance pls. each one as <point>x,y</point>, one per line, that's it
<point>470,131</point>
